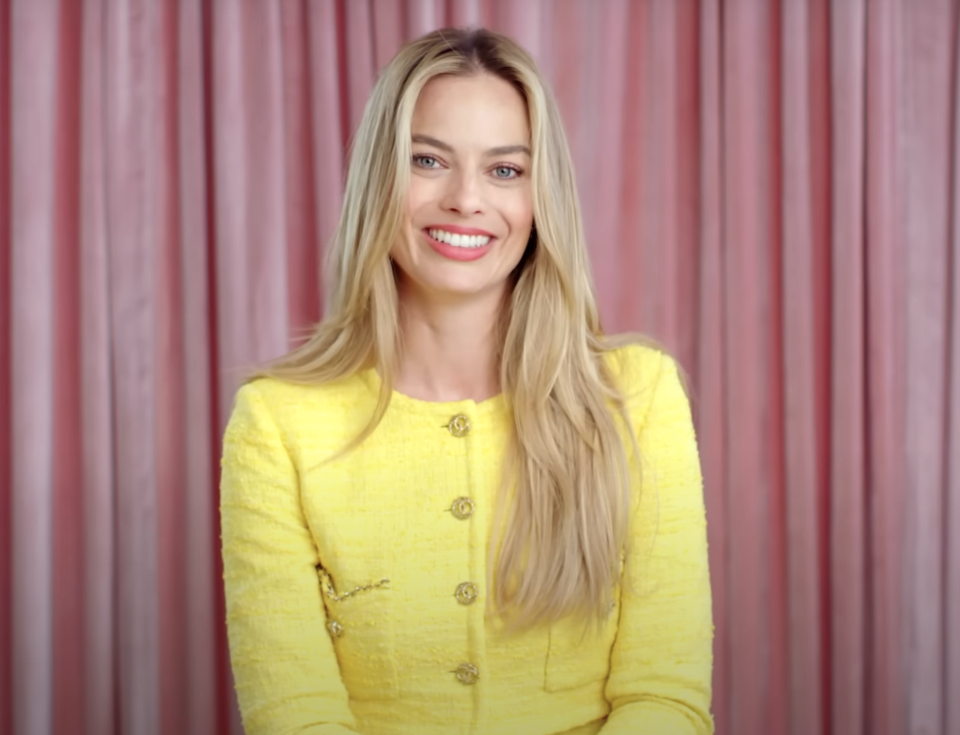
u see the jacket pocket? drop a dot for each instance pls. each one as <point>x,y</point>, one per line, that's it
<point>578,654</point>
<point>360,624</point>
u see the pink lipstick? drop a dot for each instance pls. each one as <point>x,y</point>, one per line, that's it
<point>463,253</point>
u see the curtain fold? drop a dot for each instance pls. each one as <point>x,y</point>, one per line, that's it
<point>928,99</point>
<point>709,401</point>
<point>848,524</point>
<point>805,145</point>
<point>6,418</point>
<point>886,390</point>
<point>769,190</point>
<point>34,45</point>
<point>97,478</point>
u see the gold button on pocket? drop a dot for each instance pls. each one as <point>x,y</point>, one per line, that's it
<point>466,593</point>
<point>462,508</point>
<point>459,425</point>
<point>334,628</point>
<point>360,623</point>
<point>467,674</point>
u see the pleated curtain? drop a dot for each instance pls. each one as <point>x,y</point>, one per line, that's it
<point>770,189</point>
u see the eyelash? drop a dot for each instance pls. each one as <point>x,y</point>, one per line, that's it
<point>518,172</point>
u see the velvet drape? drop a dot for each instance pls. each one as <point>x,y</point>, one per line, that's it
<point>771,189</point>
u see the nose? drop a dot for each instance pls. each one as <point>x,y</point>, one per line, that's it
<point>462,194</point>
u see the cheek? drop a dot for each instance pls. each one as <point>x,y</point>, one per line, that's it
<point>520,214</point>
<point>417,198</point>
<point>419,194</point>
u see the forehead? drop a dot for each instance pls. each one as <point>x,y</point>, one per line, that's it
<point>481,110</point>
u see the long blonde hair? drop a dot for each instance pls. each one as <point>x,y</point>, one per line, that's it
<point>562,514</point>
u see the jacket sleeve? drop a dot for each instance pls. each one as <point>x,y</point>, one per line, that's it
<point>661,663</point>
<point>284,665</point>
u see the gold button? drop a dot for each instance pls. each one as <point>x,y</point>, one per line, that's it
<point>466,593</point>
<point>335,629</point>
<point>462,508</point>
<point>459,425</point>
<point>467,673</point>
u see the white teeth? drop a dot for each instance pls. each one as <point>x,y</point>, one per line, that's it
<point>459,241</point>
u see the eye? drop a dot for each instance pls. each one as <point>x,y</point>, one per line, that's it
<point>506,172</point>
<point>426,162</point>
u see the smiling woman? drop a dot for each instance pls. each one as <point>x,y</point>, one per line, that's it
<point>432,514</point>
<point>469,195</point>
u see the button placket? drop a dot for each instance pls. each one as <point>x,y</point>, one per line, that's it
<point>466,593</point>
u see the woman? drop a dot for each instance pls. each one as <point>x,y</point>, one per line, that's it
<point>432,512</point>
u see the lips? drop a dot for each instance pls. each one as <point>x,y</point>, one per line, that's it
<point>470,237</point>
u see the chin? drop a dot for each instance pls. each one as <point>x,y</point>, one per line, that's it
<point>456,287</point>
<point>461,288</point>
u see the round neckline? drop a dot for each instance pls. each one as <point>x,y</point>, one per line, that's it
<point>371,379</point>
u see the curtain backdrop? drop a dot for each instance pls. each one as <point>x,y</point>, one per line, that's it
<point>771,189</point>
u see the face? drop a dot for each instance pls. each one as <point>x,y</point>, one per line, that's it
<point>469,206</point>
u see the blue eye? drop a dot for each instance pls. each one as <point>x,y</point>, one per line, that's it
<point>506,172</point>
<point>426,162</point>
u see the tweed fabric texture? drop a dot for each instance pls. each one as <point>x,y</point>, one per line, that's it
<point>356,588</point>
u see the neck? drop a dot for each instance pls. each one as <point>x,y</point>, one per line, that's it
<point>448,350</point>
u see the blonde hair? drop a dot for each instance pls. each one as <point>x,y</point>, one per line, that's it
<point>562,514</point>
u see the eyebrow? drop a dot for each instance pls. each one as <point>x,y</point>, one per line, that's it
<point>504,150</point>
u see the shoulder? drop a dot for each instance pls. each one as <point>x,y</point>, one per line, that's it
<point>646,374</point>
<point>293,409</point>
<point>637,368</point>
<point>636,363</point>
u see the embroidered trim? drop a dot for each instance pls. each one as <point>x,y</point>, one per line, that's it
<point>326,584</point>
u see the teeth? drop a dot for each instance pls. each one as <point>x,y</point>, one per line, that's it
<point>459,241</point>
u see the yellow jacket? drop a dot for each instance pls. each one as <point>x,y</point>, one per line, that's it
<point>355,589</point>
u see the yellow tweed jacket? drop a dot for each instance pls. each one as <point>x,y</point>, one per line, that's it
<point>355,589</point>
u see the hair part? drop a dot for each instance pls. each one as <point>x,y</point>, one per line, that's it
<point>562,514</point>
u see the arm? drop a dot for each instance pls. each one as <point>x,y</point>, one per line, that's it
<point>660,673</point>
<point>284,665</point>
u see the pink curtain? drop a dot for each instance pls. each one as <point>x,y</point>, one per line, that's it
<point>771,188</point>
